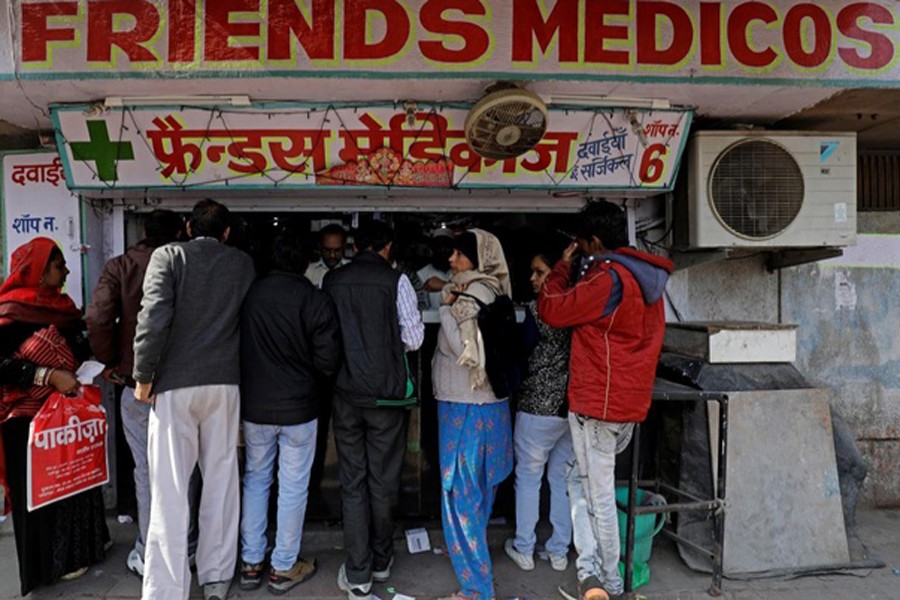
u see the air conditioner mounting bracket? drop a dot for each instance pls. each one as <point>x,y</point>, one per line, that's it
<point>791,257</point>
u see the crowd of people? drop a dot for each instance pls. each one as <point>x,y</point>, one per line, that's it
<point>208,350</point>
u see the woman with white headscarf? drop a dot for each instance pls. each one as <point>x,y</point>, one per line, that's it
<point>474,425</point>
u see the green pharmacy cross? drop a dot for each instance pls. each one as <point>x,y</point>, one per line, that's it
<point>104,152</point>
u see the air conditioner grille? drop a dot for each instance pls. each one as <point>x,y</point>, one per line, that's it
<point>756,189</point>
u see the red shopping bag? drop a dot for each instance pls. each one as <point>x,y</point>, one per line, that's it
<point>67,447</point>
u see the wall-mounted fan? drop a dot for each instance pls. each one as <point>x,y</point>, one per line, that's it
<point>507,122</point>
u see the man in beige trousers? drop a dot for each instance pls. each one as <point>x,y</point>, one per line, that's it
<point>187,365</point>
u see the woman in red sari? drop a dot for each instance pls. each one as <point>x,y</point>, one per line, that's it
<point>41,343</point>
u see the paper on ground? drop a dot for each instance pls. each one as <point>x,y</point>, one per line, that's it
<point>417,540</point>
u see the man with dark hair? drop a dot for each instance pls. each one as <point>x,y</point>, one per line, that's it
<point>436,274</point>
<point>290,350</point>
<point>332,239</point>
<point>111,321</point>
<point>187,364</point>
<point>380,322</point>
<point>615,310</point>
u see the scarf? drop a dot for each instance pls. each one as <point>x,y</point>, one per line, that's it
<point>486,283</point>
<point>23,300</point>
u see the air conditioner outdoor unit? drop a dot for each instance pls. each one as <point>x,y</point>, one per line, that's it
<point>771,189</point>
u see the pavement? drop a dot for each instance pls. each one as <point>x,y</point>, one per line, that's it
<point>430,575</point>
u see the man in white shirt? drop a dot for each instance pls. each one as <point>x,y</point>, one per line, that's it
<point>436,274</point>
<point>332,239</point>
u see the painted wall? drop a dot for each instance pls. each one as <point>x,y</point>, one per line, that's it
<point>847,338</point>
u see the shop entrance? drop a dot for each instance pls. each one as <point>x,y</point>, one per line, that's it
<point>522,234</point>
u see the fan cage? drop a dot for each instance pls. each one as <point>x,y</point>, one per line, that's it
<point>756,189</point>
<point>529,119</point>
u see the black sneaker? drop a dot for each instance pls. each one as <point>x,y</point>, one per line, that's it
<point>569,589</point>
<point>382,575</point>
<point>251,576</point>
<point>281,581</point>
<point>355,591</point>
<point>590,588</point>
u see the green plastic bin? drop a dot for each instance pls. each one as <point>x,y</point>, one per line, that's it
<point>640,575</point>
<point>645,529</point>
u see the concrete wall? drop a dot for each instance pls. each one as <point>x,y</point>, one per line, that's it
<point>848,337</point>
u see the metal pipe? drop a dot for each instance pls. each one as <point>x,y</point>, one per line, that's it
<point>672,535</point>
<point>715,589</point>
<point>708,506</point>
<point>632,506</point>
<point>674,490</point>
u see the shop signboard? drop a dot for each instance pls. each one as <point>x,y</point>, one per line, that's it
<point>831,42</point>
<point>278,146</point>
<point>36,203</point>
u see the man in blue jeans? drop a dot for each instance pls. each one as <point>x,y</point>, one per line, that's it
<point>290,349</point>
<point>615,310</point>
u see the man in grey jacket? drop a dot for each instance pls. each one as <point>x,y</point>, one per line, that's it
<point>111,321</point>
<point>187,365</point>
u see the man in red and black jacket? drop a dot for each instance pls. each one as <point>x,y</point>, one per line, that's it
<point>615,310</point>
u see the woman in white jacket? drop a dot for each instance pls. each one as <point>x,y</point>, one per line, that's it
<point>474,425</point>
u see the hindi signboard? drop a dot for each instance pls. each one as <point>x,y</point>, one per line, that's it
<point>37,203</point>
<point>793,42</point>
<point>376,146</point>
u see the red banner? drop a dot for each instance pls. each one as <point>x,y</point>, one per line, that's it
<point>67,448</point>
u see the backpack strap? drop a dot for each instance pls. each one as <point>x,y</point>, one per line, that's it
<point>475,298</point>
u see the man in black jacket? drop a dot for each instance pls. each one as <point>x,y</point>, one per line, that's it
<point>290,348</point>
<point>380,322</point>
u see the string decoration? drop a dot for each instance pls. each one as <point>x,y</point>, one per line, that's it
<point>388,166</point>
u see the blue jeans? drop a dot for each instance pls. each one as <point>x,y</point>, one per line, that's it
<point>295,446</point>
<point>136,424</point>
<point>542,442</point>
<point>592,494</point>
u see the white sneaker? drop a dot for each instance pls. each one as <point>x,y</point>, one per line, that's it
<point>355,591</point>
<point>559,562</point>
<point>525,562</point>
<point>135,563</point>
<point>384,574</point>
<point>217,590</point>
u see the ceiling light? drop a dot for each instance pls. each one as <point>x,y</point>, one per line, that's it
<point>608,101</point>
<point>226,100</point>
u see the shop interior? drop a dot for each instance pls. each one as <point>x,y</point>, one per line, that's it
<point>418,234</point>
